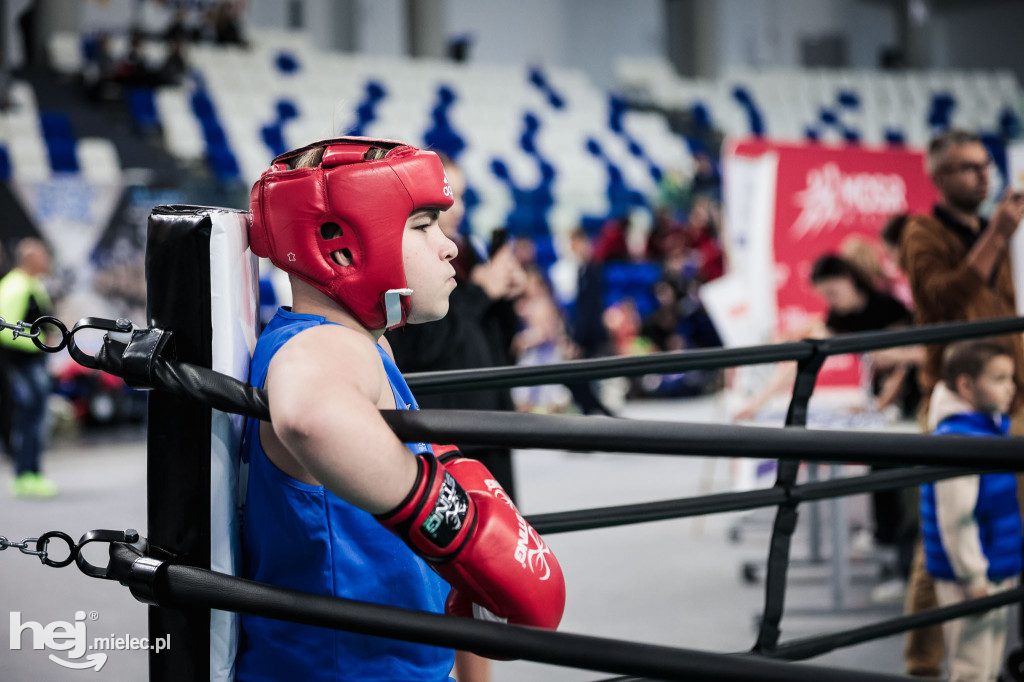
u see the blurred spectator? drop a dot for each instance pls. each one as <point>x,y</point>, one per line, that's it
<point>227,29</point>
<point>99,69</point>
<point>611,244</point>
<point>175,66</point>
<point>476,332</point>
<point>542,341</point>
<point>707,179</point>
<point>179,28</point>
<point>854,305</point>
<point>666,234</point>
<point>23,297</point>
<point>623,324</point>
<point>957,262</point>
<point>588,331</point>
<point>661,327</point>
<point>27,22</point>
<point>862,254</point>
<point>665,330</point>
<point>681,271</point>
<point>702,230</point>
<point>890,235</point>
<point>134,69</point>
<point>154,17</point>
<point>674,191</point>
<point>958,265</point>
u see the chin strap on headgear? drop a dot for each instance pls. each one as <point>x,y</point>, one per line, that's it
<point>350,205</point>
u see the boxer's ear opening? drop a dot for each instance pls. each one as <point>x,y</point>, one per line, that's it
<point>342,257</point>
<point>330,231</point>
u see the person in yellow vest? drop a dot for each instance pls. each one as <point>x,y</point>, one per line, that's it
<point>23,297</point>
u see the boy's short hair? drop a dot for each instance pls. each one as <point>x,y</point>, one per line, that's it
<point>970,358</point>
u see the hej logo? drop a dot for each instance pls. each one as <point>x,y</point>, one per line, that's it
<point>59,636</point>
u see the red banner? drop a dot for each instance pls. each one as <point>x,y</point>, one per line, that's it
<point>825,196</point>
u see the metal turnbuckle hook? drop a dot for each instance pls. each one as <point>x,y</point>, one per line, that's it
<point>80,356</point>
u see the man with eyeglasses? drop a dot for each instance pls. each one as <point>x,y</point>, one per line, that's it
<point>958,265</point>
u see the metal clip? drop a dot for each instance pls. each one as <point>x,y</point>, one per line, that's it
<point>81,357</point>
<point>19,328</point>
<point>34,331</point>
<point>5,543</point>
<point>21,331</point>
<point>24,547</point>
<point>41,543</point>
<point>130,536</point>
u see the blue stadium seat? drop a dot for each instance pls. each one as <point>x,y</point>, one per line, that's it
<point>62,155</point>
<point>848,99</point>
<point>214,133</point>
<point>286,109</point>
<point>894,137</point>
<point>56,124</point>
<point>286,62</point>
<point>142,108</point>
<point>537,78</point>
<point>755,119</point>
<point>202,105</point>
<point>366,112</point>
<point>441,135</point>
<point>60,141</point>
<point>5,164</point>
<point>223,163</point>
<point>273,137</point>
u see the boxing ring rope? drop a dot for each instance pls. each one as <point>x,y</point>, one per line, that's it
<point>610,517</point>
<point>672,362</point>
<point>142,363</point>
<point>810,354</point>
<point>189,587</point>
<point>626,437</point>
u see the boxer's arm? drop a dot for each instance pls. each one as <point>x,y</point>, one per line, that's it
<point>323,387</point>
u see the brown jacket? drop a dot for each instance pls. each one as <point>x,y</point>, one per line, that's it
<point>947,290</point>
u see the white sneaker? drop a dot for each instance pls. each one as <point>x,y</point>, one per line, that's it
<point>862,543</point>
<point>889,592</point>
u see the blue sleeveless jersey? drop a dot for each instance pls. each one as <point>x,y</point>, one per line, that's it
<point>304,537</point>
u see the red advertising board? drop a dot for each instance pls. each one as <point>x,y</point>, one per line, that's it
<point>823,197</point>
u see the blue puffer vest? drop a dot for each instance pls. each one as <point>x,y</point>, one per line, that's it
<point>996,510</point>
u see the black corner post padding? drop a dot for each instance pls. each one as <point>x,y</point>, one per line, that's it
<point>178,461</point>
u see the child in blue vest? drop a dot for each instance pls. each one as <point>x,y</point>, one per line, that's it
<point>971,524</point>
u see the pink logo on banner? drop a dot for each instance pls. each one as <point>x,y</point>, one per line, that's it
<point>825,196</point>
<point>832,198</point>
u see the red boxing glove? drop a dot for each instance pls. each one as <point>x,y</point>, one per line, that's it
<point>464,525</point>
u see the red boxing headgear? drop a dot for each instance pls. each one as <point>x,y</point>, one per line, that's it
<point>295,212</point>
